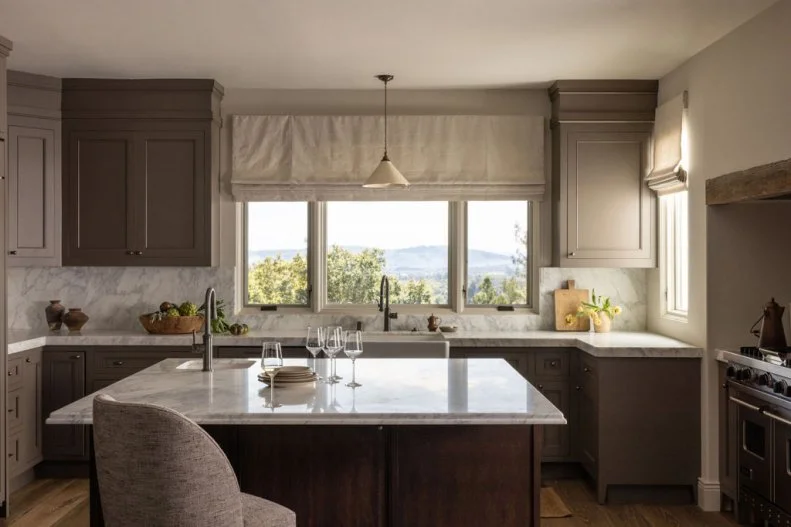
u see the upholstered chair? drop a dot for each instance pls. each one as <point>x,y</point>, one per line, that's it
<point>156,467</point>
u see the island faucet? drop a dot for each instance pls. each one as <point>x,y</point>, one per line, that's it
<point>208,339</point>
<point>384,301</point>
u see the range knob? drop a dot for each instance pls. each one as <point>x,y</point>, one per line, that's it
<point>781,387</point>
<point>730,372</point>
<point>765,379</point>
<point>744,375</point>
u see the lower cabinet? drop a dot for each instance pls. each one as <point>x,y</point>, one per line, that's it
<point>254,352</point>
<point>23,416</point>
<point>729,433</point>
<point>63,382</point>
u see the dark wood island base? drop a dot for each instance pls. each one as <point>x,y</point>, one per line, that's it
<point>392,475</point>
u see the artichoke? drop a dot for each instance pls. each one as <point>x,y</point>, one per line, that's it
<point>235,329</point>
<point>188,309</point>
<point>173,312</point>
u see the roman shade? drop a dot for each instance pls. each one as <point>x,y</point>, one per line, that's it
<point>445,158</point>
<point>668,174</point>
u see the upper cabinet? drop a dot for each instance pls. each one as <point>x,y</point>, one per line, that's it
<point>601,137</point>
<point>140,167</point>
<point>34,173</point>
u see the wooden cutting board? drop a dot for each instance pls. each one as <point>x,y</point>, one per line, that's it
<point>567,301</point>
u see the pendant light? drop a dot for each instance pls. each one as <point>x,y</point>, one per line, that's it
<point>386,174</point>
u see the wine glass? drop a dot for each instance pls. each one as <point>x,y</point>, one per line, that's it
<point>341,344</point>
<point>315,343</point>
<point>271,362</point>
<point>332,345</point>
<point>353,349</point>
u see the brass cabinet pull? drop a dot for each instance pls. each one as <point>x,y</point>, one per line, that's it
<point>130,253</point>
<point>586,369</point>
<point>75,357</point>
<point>578,388</point>
<point>138,253</point>
<point>10,373</point>
<point>554,363</point>
<point>118,363</point>
<point>541,387</point>
<point>12,253</point>
<point>10,410</point>
<point>572,254</point>
<point>28,360</point>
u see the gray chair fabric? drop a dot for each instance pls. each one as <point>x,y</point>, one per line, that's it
<point>156,468</point>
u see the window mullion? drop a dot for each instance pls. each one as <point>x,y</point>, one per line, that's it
<point>457,257</point>
<point>317,250</point>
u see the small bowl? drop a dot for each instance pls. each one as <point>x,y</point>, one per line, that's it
<point>448,329</point>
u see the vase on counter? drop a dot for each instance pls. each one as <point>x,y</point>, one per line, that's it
<point>75,319</point>
<point>54,313</point>
<point>605,323</point>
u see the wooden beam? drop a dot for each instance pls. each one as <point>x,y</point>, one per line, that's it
<point>762,182</point>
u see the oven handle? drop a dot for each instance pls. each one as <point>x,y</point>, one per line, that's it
<point>777,418</point>
<point>760,410</point>
<point>745,404</point>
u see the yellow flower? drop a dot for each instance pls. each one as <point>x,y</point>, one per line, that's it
<point>569,319</point>
<point>581,309</point>
<point>616,310</point>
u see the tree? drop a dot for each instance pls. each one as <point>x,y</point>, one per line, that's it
<point>416,292</point>
<point>277,281</point>
<point>354,278</point>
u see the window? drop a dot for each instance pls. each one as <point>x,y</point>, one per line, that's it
<point>674,263</point>
<point>497,253</point>
<point>276,263</point>
<point>408,241</point>
<point>321,255</point>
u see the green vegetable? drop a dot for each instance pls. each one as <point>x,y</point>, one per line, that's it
<point>188,309</point>
<point>173,312</point>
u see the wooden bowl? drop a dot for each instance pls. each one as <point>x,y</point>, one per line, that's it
<point>171,325</point>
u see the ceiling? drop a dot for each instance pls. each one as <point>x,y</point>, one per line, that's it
<point>341,44</point>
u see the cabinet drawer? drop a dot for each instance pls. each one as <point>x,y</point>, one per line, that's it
<point>14,373</point>
<point>14,409</point>
<point>119,364</point>
<point>552,363</point>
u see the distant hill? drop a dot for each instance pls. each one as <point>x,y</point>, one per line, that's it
<point>424,260</point>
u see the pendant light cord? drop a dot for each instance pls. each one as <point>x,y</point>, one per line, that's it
<point>385,118</point>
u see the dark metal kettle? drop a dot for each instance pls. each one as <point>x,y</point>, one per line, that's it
<point>771,335</point>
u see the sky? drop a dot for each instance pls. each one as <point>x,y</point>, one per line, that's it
<point>387,225</point>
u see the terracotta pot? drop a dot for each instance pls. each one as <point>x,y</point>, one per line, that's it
<point>54,313</point>
<point>75,319</point>
<point>605,324</point>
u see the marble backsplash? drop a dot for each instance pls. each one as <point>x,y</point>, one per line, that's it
<point>115,296</point>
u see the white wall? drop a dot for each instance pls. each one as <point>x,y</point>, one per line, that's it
<point>739,117</point>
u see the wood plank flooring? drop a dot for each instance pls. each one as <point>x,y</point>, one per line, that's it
<point>64,503</point>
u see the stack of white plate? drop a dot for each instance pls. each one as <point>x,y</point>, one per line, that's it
<point>289,375</point>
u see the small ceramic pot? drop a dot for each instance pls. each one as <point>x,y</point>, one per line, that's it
<point>605,324</point>
<point>75,319</point>
<point>54,313</point>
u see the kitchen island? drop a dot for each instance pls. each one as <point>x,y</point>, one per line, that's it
<point>421,442</point>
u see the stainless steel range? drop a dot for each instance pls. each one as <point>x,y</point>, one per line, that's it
<point>759,385</point>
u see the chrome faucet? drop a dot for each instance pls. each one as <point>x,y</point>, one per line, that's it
<point>384,301</point>
<point>207,348</point>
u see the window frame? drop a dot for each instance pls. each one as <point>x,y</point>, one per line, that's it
<point>529,250</point>
<point>246,269</point>
<point>328,307</point>
<point>457,269</point>
<point>670,261</point>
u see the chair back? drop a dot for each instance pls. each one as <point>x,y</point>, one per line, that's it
<point>156,467</point>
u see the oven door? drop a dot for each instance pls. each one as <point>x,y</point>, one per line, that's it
<point>782,456</point>
<point>754,445</point>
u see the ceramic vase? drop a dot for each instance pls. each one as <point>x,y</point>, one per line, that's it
<point>54,313</point>
<point>605,324</point>
<point>75,319</point>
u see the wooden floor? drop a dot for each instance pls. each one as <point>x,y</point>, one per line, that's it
<point>64,503</point>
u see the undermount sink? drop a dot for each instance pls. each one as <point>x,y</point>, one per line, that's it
<point>217,364</point>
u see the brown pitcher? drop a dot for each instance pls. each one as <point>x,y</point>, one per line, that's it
<point>434,322</point>
<point>771,335</point>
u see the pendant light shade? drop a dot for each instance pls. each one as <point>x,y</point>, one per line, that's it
<point>386,174</point>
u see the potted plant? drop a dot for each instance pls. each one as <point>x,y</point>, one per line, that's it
<point>600,311</point>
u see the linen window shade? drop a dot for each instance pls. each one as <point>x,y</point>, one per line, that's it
<point>668,174</point>
<point>327,158</point>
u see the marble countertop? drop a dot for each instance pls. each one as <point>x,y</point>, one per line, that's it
<point>393,391</point>
<point>615,344</point>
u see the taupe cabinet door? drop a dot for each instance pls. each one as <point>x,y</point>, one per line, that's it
<point>137,198</point>
<point>63,382</point>
<point>609,204</point>
<point>32,208</point>
<point>172,190</point>
<point>97,204</point>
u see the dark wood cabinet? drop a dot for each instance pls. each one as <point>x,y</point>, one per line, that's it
<point>254,352</point>
<point>728,434</point>
<point>63,382</point>
<point>137,179</point>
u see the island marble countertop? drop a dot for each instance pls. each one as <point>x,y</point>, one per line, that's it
<point>393,391</point>
<point>615,344</point>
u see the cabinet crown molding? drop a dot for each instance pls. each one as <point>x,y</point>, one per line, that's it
<point>5,46</point>
<point>603,101</point>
